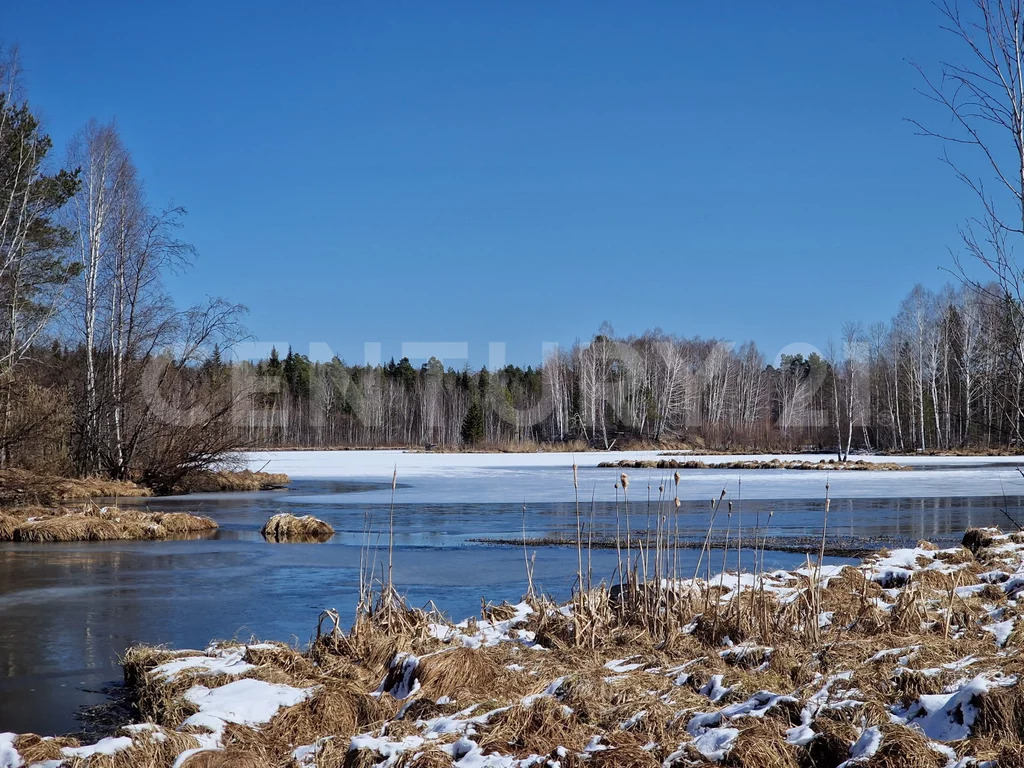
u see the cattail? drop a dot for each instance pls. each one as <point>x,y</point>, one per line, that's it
<point>661,489</point>
<point>677,502</point>
<point>678,477</point>
<point>575,476</point>
<point>394,479</point>
<point>625,481</point>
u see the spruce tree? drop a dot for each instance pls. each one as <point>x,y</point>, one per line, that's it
<point>473,427</point>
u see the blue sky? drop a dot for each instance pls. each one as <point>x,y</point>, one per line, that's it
<point>520,172</point>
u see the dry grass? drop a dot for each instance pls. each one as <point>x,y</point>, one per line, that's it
<point>38,749</point>
<point>460,673</point>
<point>227,480</point>
<point>92,523</point>
<point>906,748</point>
<point>540,728</point>
<point>150,748</point>
<point>20,487</point>
<point>183,522</point>
<point>286,527</point>
<point>762,744</point>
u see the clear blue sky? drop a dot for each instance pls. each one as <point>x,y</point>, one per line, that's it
<point>521,171</point>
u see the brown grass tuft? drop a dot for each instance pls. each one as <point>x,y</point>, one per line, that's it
<point>904,747</point>
<point>38,749</point>
<point>244,480</point>
<point>457,672</point>
<point>536,728</point>
<point>183,522</point>
<point>977,539</point>
<point>286,527</point>
<point>762,744</point>
<point>428,757</point>
<point>626,756</point>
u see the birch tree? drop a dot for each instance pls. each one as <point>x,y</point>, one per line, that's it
<point>105,170</point>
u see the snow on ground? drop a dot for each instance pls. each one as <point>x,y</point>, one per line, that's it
<point>543,477</point>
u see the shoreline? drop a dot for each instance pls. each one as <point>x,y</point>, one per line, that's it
<point>659,450</point>
<point>858,548</point>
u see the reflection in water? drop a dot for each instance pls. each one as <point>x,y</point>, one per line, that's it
<point>68,610</point>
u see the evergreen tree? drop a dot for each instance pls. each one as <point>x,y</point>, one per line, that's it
<point>473,426</point>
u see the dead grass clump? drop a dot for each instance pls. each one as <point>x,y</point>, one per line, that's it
<point>955,556</point>
<point>337,708</point>
<point>286,527</point>
<point>39,749</point>
<point>911,684</point>
<point>457,673</point>
<point>225,480</point>
<point>1009,755</point>
<point>1000,713</point>
<point>977,539</point>
<point>536,728</point>
<point>362,757</point>
<point>551,628</point>
<point>226,758</point>
<point>992,593</point>
<point>644,719</point>
<point>70,527</point>
<point>430,757</point>
<point>628,756</point>
<point>500,612</point>
<point>298,667</point>
<point>712,630</point>
<point>183,522</point>
<point>376,639</point>
<point>8,525</point>
<point>151,746</point>
<point>793,665</point>
<point>589,696</point>
<point>905,747</point>
<point>762,744</point>
<point>831,747</point>
<point>849,581</point>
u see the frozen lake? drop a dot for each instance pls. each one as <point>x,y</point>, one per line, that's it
<point>68,610</point>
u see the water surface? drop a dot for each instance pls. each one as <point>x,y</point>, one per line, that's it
<point>68,610</point>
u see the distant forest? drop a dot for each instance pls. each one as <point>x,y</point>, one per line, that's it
<point>946,373</point>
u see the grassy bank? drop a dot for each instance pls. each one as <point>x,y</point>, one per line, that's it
<point>23,488</point>
<point>231,481</point>
<point>90,522</point>
<point>911,658</point>
<point>34,508</point>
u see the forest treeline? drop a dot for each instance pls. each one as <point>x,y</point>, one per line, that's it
<point>946,373</point>
<point>83,254</point>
